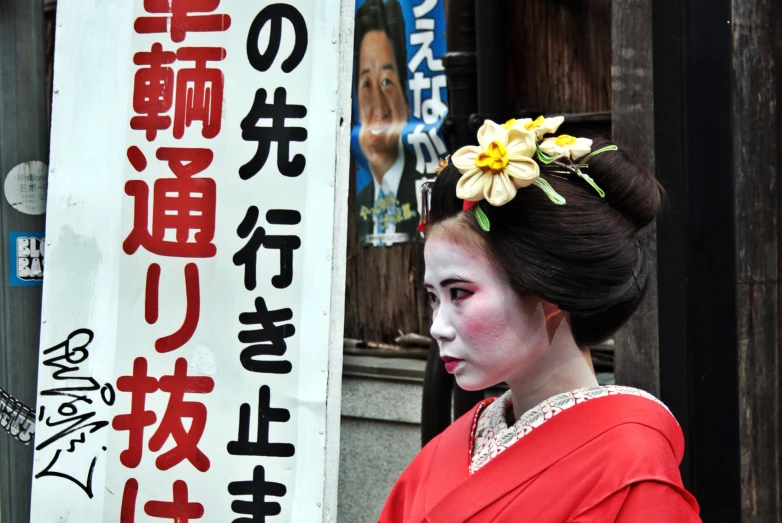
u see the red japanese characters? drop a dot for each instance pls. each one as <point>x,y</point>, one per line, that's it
<point>176,90</point>
<point>178,113</point>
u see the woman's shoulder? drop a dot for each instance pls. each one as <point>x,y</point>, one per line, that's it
<point>640,443</point>
<point>637,461</point>
<point>635,443</point>
<point>619,429</point>
<point>646,444</point>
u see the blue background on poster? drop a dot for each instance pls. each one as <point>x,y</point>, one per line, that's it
<point>437,14</point>
<point>13,249</point>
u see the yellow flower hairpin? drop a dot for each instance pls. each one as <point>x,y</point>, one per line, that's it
<point>566,146</point>
<point>541,125</point>
<point>501,164</point>
<point>508,158</point>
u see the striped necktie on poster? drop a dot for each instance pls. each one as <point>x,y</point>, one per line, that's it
<point>385,210</point>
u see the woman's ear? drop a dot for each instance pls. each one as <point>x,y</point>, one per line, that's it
<point>554,316</point>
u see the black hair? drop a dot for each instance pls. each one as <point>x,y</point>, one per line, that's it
<point>376,15</point>
<point>584,256</point>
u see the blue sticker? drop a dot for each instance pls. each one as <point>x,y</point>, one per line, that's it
<point>27,252</point>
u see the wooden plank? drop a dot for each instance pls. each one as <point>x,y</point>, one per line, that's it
<point>755,31</point>
<point>778,410</point>
<point>559,56</point>
<point>632,105</point>
<point>696,236</point>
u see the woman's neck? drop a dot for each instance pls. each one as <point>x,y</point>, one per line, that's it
<point>562,368</point>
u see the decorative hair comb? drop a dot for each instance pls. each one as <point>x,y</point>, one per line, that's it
<point>509,157</point>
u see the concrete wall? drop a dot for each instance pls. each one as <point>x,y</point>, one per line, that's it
<point>380,431</point>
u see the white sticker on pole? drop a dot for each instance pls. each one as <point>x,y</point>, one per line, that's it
<point>25,187</point>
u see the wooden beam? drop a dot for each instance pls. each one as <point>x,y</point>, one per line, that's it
<point>697,249</point>
<point>632,105</point>
<point>755,31</point>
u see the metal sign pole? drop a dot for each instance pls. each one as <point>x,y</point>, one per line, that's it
<point>24,150</point>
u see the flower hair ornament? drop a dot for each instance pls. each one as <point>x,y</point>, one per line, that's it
<point>513,156</point>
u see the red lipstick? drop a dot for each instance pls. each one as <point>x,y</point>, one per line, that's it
<point>451,363</point>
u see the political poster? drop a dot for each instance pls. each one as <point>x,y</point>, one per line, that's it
<point>399,102</point>
<point>192,300</point>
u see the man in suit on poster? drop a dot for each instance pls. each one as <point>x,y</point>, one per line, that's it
<point>387,205</point>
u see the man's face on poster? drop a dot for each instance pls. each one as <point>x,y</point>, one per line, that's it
<point>382,107</point>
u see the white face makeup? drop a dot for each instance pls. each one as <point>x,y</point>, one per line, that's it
<point>477,318</point>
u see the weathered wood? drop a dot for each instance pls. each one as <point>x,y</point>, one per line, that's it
<point>697,254</point>
<point>384,287</point>
<point>756,135</point>
<point>632,105</point>
<point>778,410</point>
<point>559,56</point>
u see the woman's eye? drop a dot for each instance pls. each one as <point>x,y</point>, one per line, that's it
<point>431,298</point>
<point>459,294</point>
<point>385,81</point>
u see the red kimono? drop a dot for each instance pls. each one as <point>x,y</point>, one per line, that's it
<point>610,459</point>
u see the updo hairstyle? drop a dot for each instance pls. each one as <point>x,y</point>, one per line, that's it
<point>584,256</point>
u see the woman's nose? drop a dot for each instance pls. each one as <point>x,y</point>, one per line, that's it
<point>441,329</point>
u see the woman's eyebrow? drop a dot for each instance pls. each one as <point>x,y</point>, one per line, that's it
<point>451,281</point>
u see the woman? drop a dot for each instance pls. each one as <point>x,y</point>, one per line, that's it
<point>521,278</point>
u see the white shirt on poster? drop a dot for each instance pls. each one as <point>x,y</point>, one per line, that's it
<point>390,185</point>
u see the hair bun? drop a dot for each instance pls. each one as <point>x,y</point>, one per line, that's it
<point>597,325</point>
<point>629,188</point>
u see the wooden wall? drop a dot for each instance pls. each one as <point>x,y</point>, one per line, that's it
<point>637,362</point>
<point>559,61</point>
<point>559,55</point>
<point>383,287</point>
<point>756,32</point>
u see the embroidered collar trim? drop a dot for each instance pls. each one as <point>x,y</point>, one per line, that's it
<point>492,435</point>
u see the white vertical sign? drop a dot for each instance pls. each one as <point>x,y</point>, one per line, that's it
<point>192,312</point>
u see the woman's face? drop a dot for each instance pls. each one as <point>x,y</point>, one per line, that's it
<point>487,334</point>
<point>382,109</point>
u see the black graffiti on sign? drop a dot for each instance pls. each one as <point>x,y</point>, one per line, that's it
<point>75,415</point>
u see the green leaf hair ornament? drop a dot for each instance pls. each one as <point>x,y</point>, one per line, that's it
<point>481,217</point>
<point>553,195</point>
<point>544,158</point>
